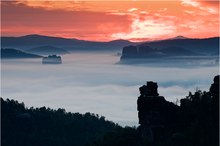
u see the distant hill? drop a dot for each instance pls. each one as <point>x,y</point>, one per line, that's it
<point>13,53</point>
<point>178,38</point>
<point>47,50</point>
<point>207,46</point>
<point>172,48</point>
<point>32,41</point>
<point>177,51</point>
<point>36,40</point>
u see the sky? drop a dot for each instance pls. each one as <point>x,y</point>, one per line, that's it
<point>133,20</point>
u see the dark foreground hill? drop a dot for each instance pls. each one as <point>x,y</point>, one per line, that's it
<point>13,53</point>
<point>195,122</point>
<point>43,126</point>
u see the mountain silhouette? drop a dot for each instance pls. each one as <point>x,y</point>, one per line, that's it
<point>13,53</point>
<point>47,50</point>
<point>32,41</point>
<point>179,37</point>
<point>207,46</point>
<point>173,48</point>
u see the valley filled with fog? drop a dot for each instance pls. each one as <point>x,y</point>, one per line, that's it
<point>96,83</point>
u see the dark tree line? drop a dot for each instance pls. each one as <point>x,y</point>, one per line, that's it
<point>197,125</point>
<point>21,126</point>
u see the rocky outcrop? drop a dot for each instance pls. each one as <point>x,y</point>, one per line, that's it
<point>214,89</point>
<point>52,59</point>
<point>161,120</point>
<point>129,52</point>
<point>139,52</point>
<point>156,115</point>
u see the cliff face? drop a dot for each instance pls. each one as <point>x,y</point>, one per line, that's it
<point>197,116</point>
<point>129,52</point>
<point>135,52</point>
<point>214,90</point>
<point>155,114</point>
<point>172,48</point>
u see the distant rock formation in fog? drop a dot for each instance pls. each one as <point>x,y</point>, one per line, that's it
<point>130,51</point>
<point>147,52</point>
<point>172,48</point>
<point>52,59</point>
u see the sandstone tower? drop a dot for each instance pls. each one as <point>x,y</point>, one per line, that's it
<point>156,115</point>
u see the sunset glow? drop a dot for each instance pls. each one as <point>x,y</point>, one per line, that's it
<point>104,21</point>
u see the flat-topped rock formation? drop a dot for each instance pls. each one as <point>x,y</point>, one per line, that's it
<point>161,120</point>
<point>154,112</point>
<point>52,59</point>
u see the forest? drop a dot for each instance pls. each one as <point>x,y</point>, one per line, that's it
<point>198,125</point>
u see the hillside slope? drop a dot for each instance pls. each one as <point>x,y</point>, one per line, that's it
<point>13,53</point>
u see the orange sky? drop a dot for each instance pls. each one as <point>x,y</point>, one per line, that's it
<point>109,20</point>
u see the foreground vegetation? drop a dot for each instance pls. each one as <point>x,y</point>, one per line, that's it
<point>198,126</point>
<point>43,126</point>
<point>21,126</point>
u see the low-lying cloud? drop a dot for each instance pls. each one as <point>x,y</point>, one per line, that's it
<point>94,83</point>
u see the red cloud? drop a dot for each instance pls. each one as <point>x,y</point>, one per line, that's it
<point>18,19</point>
<point>103,21</point>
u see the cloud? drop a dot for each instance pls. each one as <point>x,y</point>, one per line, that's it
<point>118,13</point>
<point>63,5</point>
<point>20,19</point>
<point>147,27</point>
<point>143,12</point>
<point>132,9</point>
<point>190,2</point>
<point>189,12</point>
<point>92,20</point>
<point>208,6</point>
<point>94,83</point>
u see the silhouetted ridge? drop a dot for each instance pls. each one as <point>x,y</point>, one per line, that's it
<point>172,48</point>
<point>178,37</point>
<point>214,89</point>
<point>35,41</point>
<point>195,122</point>
<point>47,50</point>
<point>21,126</point>
<point>155,113</point>
<point>163,121</point>
<point>13,53</point>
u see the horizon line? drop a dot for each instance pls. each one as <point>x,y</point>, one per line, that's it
<point>146,39</point>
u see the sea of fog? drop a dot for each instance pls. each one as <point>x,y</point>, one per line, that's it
<point>96,83</point>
